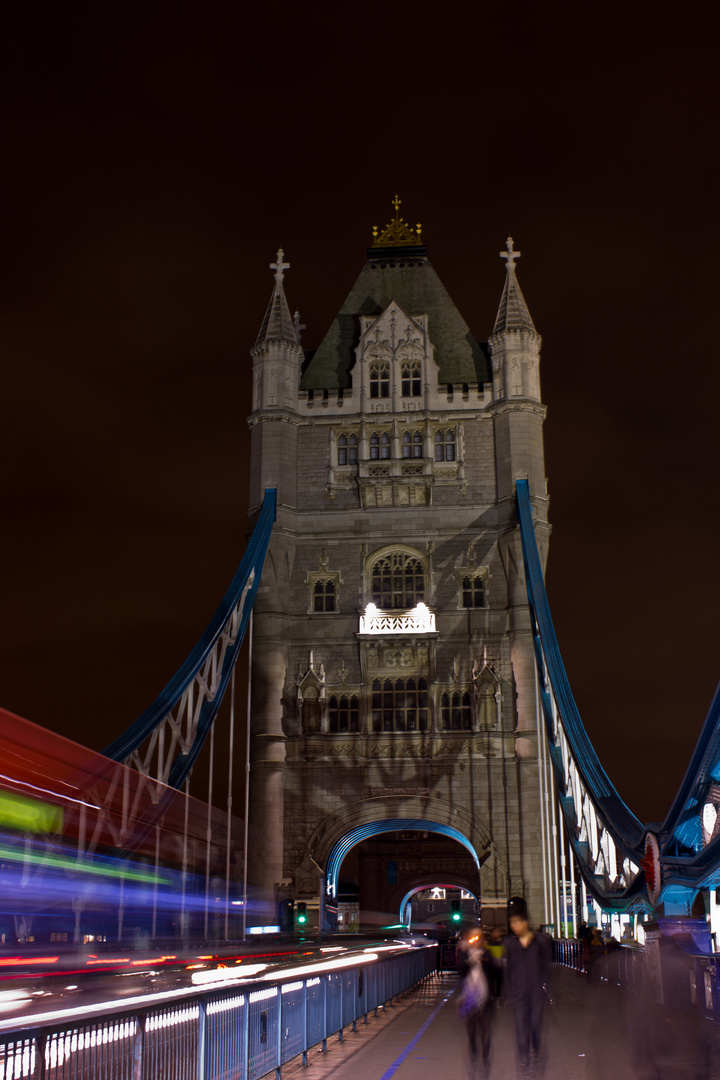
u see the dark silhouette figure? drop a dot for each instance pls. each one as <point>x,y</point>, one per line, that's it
<point>528,954</point>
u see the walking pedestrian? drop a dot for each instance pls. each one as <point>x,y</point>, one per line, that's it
<point>528,954</point>
<point>475,1006</point>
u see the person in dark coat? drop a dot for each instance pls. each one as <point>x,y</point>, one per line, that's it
<point>528,955</point>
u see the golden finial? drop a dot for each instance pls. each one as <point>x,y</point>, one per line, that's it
<point>398,233</point>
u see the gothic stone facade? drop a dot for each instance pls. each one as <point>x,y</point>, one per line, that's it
<point>392,669</point>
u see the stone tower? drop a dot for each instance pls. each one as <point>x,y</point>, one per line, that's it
<point>392,677</point>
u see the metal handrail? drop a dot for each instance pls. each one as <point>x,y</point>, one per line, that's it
<point>239,1032</point>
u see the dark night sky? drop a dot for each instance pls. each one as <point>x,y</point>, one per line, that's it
<point>154,160</point>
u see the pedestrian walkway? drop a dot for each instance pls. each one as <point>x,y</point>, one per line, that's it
<point>589,1035</point>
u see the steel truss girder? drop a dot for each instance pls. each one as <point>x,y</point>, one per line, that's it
<point>606,838</point>
<point>164,742</point>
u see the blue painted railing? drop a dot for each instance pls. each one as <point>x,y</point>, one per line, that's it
<point>237,1033</point>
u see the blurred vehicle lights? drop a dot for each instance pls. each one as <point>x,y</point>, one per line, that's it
<point>225,974</point>
<point>10,999</point>
<point>13,961</point>
<point>320,968</point>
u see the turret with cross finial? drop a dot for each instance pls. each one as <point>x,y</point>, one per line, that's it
<point>510,255</point>
<point>279,267</point>
<point>277,360</point>
<point>515,351</point>
<point>513,312</point>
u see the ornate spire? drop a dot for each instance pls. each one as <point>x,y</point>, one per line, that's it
<point>398,233</point>
<point>279,267</point>
<point>278,323</point>
<point>513,313</point>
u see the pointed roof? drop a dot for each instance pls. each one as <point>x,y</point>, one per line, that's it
<point>397,269</point>
<point>278,324</point>
<point>416,288</point>
<point>513,313</point>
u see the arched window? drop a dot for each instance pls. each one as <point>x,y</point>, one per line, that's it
<point>380,379</point>
<point>411,378</point>
<point>412,444</point>
<point>343,713</point>
<point>397,581</point>
<point>456,712</point>
<point>347,449</point>
<point>399,705</point>
<point>445,446</point>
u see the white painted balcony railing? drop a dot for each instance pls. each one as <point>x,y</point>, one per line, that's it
<point>420,620</point>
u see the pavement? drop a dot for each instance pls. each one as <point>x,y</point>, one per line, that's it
<point>591,1032</point>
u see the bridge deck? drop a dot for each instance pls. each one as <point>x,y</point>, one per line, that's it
<point>591,1032</point>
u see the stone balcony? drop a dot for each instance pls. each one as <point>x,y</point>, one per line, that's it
<point>419,620</point>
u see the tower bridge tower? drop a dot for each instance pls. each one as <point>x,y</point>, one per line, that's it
<point>392,679</point>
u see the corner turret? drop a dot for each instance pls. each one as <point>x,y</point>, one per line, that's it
<point>514,343</point>
<point>277,361</point>
<point>277,354</point>
<point>519,412</point>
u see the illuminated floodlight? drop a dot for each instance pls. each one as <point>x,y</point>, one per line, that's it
<point>419,620</point>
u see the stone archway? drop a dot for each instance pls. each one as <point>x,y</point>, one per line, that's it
<point>425,811</point>
<point>428,881</point>
<point>340,831</point>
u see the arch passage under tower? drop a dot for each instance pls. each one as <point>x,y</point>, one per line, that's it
<point>359,821</point>
<point>362,832</point>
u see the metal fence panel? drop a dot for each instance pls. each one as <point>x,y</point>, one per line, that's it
<point>371,990</point>
<point>103,1050</point>
<point>347,999</point>
<point>315,999</point>
<point>293,1020</point>
<point>225,1037</point>
<point>171,1043</point>
<point>334,983</point>
<point>262,1032</point>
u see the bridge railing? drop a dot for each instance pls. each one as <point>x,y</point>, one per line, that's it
<point>238,1033</point>
<point>692,985</point>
